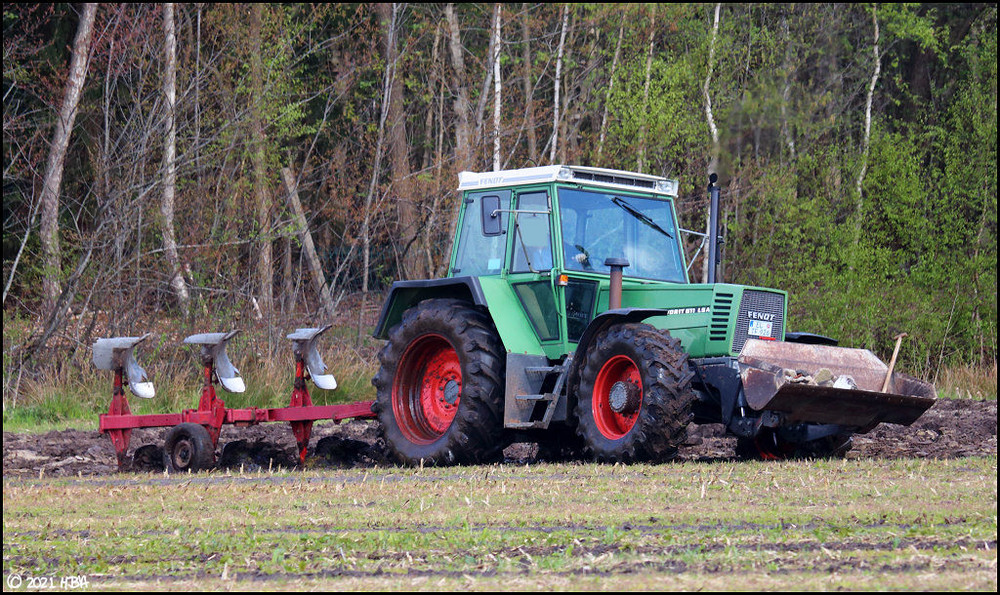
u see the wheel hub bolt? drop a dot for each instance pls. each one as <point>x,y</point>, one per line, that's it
<point>451,391</point>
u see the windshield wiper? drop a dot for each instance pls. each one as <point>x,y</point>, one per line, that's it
<point>640,215</point>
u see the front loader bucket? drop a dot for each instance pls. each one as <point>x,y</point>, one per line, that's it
<point>829,385</point>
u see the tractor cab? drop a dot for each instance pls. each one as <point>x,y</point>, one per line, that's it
<point>552,234</point>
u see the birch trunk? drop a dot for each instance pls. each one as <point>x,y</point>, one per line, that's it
<point>484,97</point>
<point>786,94</point>
<point>529,112</point>
<point>641,163</point>
<point>51,183</point>
<point>265,278</point>
<point>496,87</point>
<point>866,141</point>
<point>558,81</point>
<point>706,90</point>
<point>169,161</point>
<point>611,88</point>
<point>713,165</point>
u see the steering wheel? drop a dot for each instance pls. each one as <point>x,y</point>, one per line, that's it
<point>579,254</point>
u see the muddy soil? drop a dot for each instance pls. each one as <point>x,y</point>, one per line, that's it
<point>950,429</point>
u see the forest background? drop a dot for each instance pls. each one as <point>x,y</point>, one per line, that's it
<point>200,167</point>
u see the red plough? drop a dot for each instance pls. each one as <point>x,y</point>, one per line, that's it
<point>194,435</point>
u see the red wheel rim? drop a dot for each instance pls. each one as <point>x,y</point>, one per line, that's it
<point>611,424</point>
<point>426,389</point>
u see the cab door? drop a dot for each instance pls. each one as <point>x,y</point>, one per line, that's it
<point>531,271</point>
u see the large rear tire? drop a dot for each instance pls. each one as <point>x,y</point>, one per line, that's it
<point>634,397</point>
<point>439,390</point>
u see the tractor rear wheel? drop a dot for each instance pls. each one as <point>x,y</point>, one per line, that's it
<point>188,447</point>
<point>439,390</point>
<point>634,395</point>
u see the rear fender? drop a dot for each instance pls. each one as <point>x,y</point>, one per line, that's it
<point>405,294</point>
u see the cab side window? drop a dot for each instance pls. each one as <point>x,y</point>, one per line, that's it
<point>532,239</point>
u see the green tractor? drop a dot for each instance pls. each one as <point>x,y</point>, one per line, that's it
<point>567,318</point>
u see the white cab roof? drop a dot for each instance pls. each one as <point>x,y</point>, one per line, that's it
<point>590,176</point>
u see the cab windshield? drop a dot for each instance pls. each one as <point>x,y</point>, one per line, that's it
<point>601,225</point>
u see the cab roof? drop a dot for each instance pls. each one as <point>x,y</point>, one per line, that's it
<point>590,176</point>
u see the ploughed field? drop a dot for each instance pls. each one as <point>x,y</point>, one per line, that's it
<point>910,508</point>
<point>951,428</point>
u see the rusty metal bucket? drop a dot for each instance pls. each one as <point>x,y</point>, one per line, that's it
<point>829,385</point>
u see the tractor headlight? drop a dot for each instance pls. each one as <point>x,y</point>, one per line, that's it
<point>667,187</point>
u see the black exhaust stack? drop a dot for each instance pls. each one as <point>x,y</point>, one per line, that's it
<point>713,227</point>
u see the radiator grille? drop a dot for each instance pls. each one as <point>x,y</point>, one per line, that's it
<point>765,310</point>
<point>722,310</point>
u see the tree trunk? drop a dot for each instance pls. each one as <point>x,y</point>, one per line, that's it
<point>463,133</point>
<point>461,106</point>
<point>786,94</point>
<point>554,143</point>
<point>611,88</point>
<point>407,221</point>
<point>312,259</point>
<point>706,88</point>
<point>287,285</point>
<point>169,161</point>
<point>866,141</point>
<point>197,97</point>
<point>526,82</point>
<point>435,112</point>
<point>496,87</point>
<point>644,114</point>
<point>49,228</point>
<point>484,96</point>
<point>713,165</point>
<point>387,82</point>
<point>433,263</point>
<point>265,275</point>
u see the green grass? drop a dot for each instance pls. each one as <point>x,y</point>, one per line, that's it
<point>968,382</point>
<point>866,524</point>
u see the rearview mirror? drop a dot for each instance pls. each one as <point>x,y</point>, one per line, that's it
<point>491,215</point>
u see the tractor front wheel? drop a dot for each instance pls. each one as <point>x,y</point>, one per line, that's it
<point>439,390</point>
<point>770,446</point>
<point>634,395</point>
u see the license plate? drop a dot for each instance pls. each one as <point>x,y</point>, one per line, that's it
<point>760,328</point>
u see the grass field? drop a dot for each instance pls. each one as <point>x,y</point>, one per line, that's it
<point>912,524</point>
